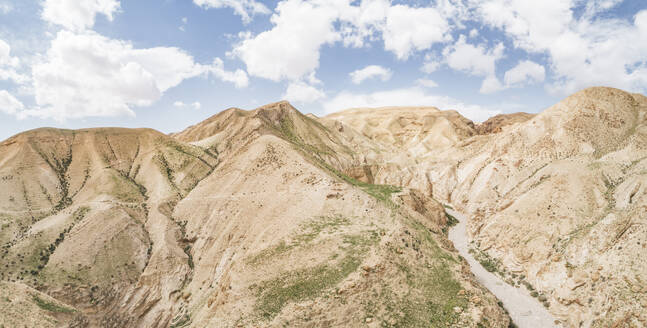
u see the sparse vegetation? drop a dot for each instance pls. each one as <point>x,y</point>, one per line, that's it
<point>298,285</point>
<point>380,192</point>
<point>490,264</point>
<point>451,220</point>
<point>181,321</point>
<point>307,233</point>
<point>308,283</point>
<point>50,306</point>
<point>432,290</point>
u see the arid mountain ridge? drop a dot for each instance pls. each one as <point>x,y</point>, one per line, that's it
<point>271,217</point>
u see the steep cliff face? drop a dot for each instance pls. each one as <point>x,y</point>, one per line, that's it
<point>247,219</point>
<point>557,199</point>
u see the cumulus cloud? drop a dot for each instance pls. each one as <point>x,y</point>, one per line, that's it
<point>246,9</point>
<point>427,83</point>
<point>431,63</point>
<point>86,74</point>
<point>300,28</point>
<point>290,49</point>
<point>8,103</point>
<point>585,51</point>
<point>77,15</point>
<point>9,65</point>
<point>238,77</point>
<point>371,71</point>
<point>363,22</point>
<point>476,60</point>
<point>413,96</point>
<point>301,92</point>
<point>5,8</point>
<point>5,55</point>
<point>525,72</point>
<point>195,105</point>
<point>408,29</point>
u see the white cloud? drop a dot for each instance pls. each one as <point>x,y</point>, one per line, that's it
<point>408,29</point>
<point>301,92</point>
<point>593,7</point>
<point>5,55</point>
<point>431,63</point>
<point>474,33</point>
<point>290,49</point>
<point>525,72</point>
<point>78,15</point>
<point>363,22</point>
<point>8,103</point>
<point>427,83</point>
<point>371,71</point>
<point>183,26</point>
<point>5,8</point>
<point>413,96</point>
<point>590,50</point>
<point>491,84</point>
<point>238,78</point>
<point>430,67</point>
<point>246,9</point>
<point>88,74</point>
<point>195,105</point>
<point>9,65</point>
<point>476,60</point>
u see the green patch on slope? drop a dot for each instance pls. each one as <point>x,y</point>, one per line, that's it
<point>308,283</point>
<point>299,285</point>
<point>431,291</point>
<point>307,233</point>
<point>50,306</point>
<point>317,152</point>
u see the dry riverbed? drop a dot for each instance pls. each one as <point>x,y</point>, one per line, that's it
<point>525,310</point>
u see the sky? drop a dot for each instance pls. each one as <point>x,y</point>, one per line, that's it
<point>167,64</point>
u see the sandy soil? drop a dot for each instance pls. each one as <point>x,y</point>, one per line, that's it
<point>525,310</point>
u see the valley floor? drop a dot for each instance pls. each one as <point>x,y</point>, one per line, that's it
<point>525,311</point>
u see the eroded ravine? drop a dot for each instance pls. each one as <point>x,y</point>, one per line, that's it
<point>525,311</point>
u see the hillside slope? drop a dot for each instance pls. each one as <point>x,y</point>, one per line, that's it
<point>247,219</point>
<point>556,203</point>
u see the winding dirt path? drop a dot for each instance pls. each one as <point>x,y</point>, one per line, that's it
<point>525,311</point>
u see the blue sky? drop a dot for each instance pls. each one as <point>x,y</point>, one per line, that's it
<point>167,64</point>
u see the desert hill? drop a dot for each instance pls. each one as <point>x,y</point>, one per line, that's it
<point>247,219</point>
<point>269,217</point>
<point>556,199</point>
<point>495,124</point>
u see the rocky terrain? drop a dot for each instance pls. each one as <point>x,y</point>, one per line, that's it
<point>274,218</point>
<point>246,219</point>
<point>556,203</point>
